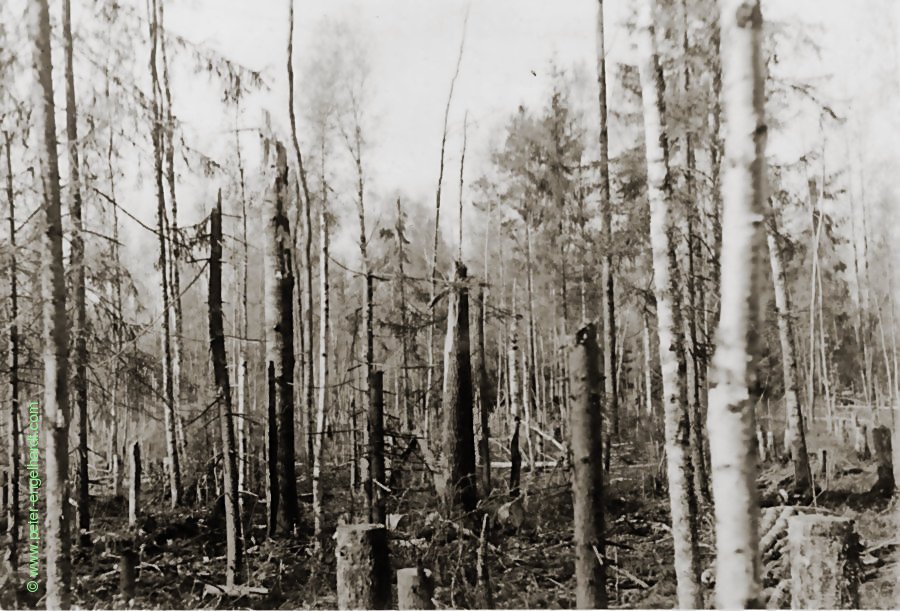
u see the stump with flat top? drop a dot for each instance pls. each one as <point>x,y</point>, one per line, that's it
<point>824,560</point>
<point>881,440</point>
<point>363,567</point>
<point>415,588</point>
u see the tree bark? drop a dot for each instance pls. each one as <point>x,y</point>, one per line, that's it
<point>319,438</point>
<point>234,551</point>
<point>376,449</point>
<point>683,501</point>
<point>457,404</point>
<point>56,412</point>
<point>735,377</point>
<point>486,399</point>
<point>587,482</point>
<point>415,588</point>
<point>134,483</point>
<point>363,567</point>
<point>824,562</point>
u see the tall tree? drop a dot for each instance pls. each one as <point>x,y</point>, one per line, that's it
<point>174,469</point>
<point>234,551</point>
<point>12,518</point>
<point>56,412</point>
<point>76,263</point>
<point>735,376</point>
<point>609,322</point>
<point>663,231</point>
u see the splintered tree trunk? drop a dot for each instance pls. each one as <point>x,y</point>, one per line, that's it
<point>682,498</point>
<point>168,372</point>
<point>609,324</point>
<point>12,496</point>
<point>76,262</point>
<point>485,399</point>
<point>279,290</point>
<point>415,588</point>
<point>234,553</point>
<point>795,435</point>
<point>376,448</point>
<point>459,439</point>
<point>134,483</point>
<point>56,412</point>
<point>735,376</point>
<point>319,437</point>
<point>587,482</point>
<point>824,562</point>
<point>363,567</point>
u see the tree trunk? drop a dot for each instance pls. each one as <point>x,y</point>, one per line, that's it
<point>587,482</point>
<point>609,323</point>
<point>486,398</point>
<point>319,438</point>
<point>168,371</point>
<point>456,404</point>
<point>234,553</point>
<point>76,263</point>
<point>795,434</point>
<point>376,449</point>
<point>735,376</point>
<point>408,408</point>
<point>513,398</point>
<point>279,290</point>
<point>12,496</point>
<point>306,216</point>
<point>415,588</point>
<point>56,412</point>
<point>134,483</point>
<point>671,329</point>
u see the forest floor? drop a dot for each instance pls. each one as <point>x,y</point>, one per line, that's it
<point>530,555</point>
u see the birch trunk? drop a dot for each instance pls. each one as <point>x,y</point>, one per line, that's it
<point>319,438</point>
<point>56,412</point>
<point>234,552</point>
<point>735,378</point>
<point>671,329</point>
<point>796,437</point>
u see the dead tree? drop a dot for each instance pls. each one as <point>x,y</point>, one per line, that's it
<point>234,552</point>
<point>376,481</point>
<point>486,398</point>
<point>587,482</point>
<point>278,298</point>
<point>134,483</point>
<point>457,404</point>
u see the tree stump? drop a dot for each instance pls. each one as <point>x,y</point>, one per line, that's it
<point>881,440</point>
<point>824,558</point>
<point>128,561</point>
<point>823,468</point>
<point>861,440</point>
<point>363,567</point>
<point>415,589</point>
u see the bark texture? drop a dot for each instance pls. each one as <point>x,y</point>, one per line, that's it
<point>587,481</point>
<point>415,588</point>
<point>363,567</point>
<point>824,560</point>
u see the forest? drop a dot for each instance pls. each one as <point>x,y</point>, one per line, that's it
<point>462,305</point>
